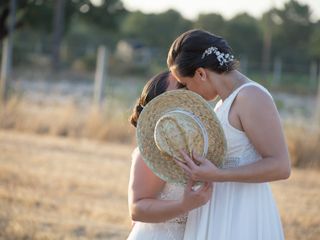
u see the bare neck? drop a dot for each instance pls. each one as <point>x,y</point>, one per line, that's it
<point>225,84</point>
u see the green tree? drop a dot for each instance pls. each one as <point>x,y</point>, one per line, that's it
<point>211,22</point>
<point>157,30</point>
<point>39,14</point>
<point>107,16</point>
<point>244,36</point>
<point>269,25</point>
<point>49,21</point>
<point>4,14</point>
<point>314,49</point>
<point>294,31</point>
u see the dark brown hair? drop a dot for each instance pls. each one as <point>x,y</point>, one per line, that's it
<point>154,87</point>
<point>185,54</point>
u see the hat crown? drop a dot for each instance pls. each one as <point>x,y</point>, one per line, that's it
<point>157,154</point>
<point>180,129</point>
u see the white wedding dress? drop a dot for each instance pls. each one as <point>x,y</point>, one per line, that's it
<point>236,211</point>
<point>170,230</point>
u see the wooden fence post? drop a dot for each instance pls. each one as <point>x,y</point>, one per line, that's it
<point>100,75</point>
<point>244,64</point>
<point>277,70</point>
<point>317,117</point>
<point>6,61</point>
<point>313,75</point>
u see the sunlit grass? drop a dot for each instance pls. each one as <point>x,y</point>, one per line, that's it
<point>110,123</point>
<point>64,188</point>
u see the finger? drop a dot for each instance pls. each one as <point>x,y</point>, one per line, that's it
<point>207,186</point>
<point>190,184</point>
<point>181,163</point>
<point>189,161</point>
<point>198,157</point>
<point>183,166</point>
<point>179,160</point>
<point>200,188</point>
<point>209,189</point>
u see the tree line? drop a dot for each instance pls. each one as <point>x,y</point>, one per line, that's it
<point>287,33</point>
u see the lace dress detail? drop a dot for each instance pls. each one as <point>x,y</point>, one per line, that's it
<point>172,229</point>
<point>173,192</point>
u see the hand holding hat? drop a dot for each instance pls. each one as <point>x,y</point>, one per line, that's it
<point>198,168</point>
<point>175,120</point>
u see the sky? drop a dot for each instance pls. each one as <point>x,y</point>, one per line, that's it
<point>227,8</point>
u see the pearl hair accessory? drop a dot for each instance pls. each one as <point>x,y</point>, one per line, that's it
<point>223,58</point>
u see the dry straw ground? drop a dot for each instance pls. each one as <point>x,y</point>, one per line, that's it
<point>54,187</point>
<point>69,119</point>
<point>62,188</point>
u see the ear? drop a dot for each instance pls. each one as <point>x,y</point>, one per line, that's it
<point>201,74</point>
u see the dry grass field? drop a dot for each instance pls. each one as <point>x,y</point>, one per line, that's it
<point>54,188</point>
<point>62,188</point>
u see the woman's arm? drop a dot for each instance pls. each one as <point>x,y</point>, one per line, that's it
<point>144,188</point>
<point>260,121</point>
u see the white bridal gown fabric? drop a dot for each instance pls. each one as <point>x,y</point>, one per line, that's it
<point>170,230</point>
<point>236,211</point>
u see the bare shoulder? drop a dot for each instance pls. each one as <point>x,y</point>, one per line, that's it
<point>254,97</point>
<point>139,166</point>
<point>136,155</point>
<point>137,160</point>
<point>254,92</point>
<point>139,175</point>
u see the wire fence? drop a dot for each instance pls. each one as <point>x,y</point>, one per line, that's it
<point>125,64</point>
<point>80,57</point>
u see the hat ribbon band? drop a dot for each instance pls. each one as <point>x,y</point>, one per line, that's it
<point>201,126</point>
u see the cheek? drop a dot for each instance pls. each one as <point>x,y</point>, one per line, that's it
<point>207,92</point>
<point>198,89</point>
<point>211,94</point>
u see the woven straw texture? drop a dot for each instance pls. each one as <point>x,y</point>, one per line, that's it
<point>158,161</point>
<point>175,131</point>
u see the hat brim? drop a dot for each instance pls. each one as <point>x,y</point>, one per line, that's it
<point>161,164</point>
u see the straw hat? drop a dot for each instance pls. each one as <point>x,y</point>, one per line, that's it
<point>178,119</point>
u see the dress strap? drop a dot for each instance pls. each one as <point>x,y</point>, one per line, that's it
<point>229,100</point>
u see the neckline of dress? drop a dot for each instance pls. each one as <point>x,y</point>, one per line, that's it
<point>234,91</point>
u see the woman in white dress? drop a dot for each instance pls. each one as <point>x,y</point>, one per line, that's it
<point>242,206</point>
<point>159,209</point>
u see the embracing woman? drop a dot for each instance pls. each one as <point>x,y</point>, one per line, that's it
<point>158,208</point>
<point>241,206</point>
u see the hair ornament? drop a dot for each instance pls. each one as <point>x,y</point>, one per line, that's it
<point>223,58</point>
